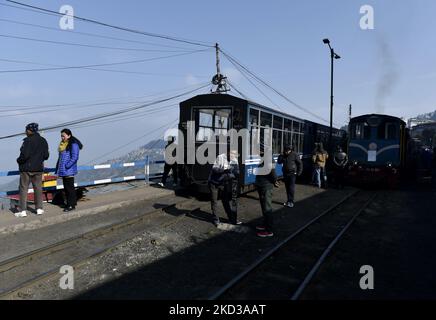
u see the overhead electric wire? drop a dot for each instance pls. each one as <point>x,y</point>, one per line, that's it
<point>241,71</point>
<point>230,58</point>
<point>105,115</point>
<point>113,100</point>
<point>136,115</point>
<point>149,34</point>
<point>76,44</point>
<point>91,67</point>
<point>95,69</point>
<point>74,32</point>
<point>237,90</point>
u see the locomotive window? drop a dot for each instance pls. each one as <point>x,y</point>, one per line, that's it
<point>296,126</point>
<point>205,118</point>
<point>360,130</point>
<point>388,131</point>
<point>205,134</point>
<point>391,131</point>
<point>254,117</point>
<point>265,119</point>
<point>222,119</point>
<point>288,124</point>
<point>278,122</point>
<point>211,122</point>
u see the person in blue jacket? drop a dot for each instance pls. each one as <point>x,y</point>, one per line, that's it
<point>66,167</point>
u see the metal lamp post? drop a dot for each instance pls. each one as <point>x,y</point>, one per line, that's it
<point>333,56</point>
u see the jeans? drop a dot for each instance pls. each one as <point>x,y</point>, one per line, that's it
<point>317,174</point>
<point>228,197</point>
<point>290,186</point>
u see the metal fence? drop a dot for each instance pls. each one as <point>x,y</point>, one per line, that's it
<point>146,176</point>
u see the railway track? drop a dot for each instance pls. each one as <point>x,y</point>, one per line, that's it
<point>287,269</point>
<point>31,268</point>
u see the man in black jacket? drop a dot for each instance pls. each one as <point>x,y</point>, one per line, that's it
<point>33,153</point>
<point>292,167</point>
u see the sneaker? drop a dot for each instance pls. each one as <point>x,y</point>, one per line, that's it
<point>70,208</point>
<point>264,234</point>
<point>161,184</point>
<point>260,228</point>
<point>21,214</point>
<point>39,211</point>
<point>237,223</point>
<point>290,204</point>
<point>285,203</point>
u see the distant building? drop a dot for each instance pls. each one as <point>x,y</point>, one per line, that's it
<point>412,122</point>
<point>425,132</point>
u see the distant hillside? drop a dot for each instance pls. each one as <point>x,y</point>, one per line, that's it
<point>428,116</point>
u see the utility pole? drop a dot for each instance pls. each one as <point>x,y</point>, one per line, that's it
<point>333,56</point>
<point>349,114</point>
<point>219,80</point>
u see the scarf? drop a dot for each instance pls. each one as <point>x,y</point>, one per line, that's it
<point>63,145</point>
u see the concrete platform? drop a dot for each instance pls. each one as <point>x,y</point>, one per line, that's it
<point>91,204</point>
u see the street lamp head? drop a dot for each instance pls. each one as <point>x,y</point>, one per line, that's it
<point>336,56</point>
<point>326,41</point>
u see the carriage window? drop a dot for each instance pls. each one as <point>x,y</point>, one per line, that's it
<point>254,117</point>
<point>265,119</point>
<point>288,124</point>
<point>277,142</point>
<point>278,122</point>
<point>296,126</point>
<point>287,138</point>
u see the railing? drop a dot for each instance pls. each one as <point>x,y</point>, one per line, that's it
<point>145,176</point>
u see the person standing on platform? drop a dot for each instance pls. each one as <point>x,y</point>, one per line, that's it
<point>169,167</point>
<point>33,153</point>
<point>319,159</point>
<point>340,160</point>
<point>264,185</point>
<point>292,167</point>
<point>66,167</point>
<point>223,183</point>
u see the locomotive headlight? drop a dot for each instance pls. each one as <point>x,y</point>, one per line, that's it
<point>389,164</point>
<point>355,163</point>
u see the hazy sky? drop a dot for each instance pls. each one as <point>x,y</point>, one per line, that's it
<point>390,69</point>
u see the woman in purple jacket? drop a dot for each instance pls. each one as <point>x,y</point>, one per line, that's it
<point>66,167</point>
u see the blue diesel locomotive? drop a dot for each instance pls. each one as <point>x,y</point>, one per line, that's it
<point>378,149</point>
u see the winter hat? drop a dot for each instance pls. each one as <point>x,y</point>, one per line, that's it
<point>32,127</point>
